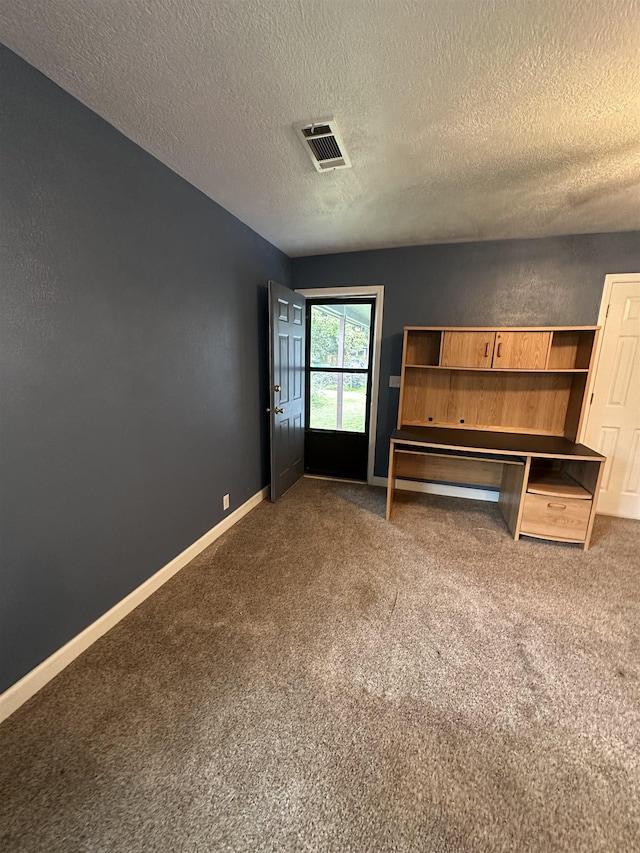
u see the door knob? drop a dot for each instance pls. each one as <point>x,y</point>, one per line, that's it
<point>275,388</point>
<point>276,411</point>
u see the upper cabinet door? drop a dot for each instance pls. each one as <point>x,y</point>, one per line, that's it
<point>521,350</point>
<point>467,349</point>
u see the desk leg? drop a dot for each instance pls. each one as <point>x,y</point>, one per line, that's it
<point>512,490</point>
<point>589,474</point>
<point>391,479</point>
<point>596,492</point>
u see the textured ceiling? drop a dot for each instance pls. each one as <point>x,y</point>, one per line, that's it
<point>464,119</point>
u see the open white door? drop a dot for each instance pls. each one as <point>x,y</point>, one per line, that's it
<point>613,424</point>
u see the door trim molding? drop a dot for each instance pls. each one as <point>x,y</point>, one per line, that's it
<point>377,292</point>
<point>609,281</point>
<point>16,695</point>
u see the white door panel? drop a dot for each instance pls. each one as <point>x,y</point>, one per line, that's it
<point>613,426</point>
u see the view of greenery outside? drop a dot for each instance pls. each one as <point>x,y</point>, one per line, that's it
<point>325,352</point>
<point>324,402</point>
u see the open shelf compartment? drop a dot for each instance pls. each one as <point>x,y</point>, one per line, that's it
<point>563,478</point>
<point>423,348</point>
<point>543,403</point>
<point>571,350</point>
<point>557,484</point>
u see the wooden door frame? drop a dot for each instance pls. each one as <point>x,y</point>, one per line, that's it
<point>375,292</point>
<point>609,281</point>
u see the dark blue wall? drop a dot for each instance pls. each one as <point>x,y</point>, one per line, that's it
<point>554,281</point>
<point>133,355</point>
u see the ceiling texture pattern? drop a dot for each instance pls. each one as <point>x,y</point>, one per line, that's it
<point>464,119</point>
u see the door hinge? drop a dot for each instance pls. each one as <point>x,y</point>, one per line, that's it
<point>591,400</point>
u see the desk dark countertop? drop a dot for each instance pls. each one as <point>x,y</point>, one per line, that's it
<point>511,443</point>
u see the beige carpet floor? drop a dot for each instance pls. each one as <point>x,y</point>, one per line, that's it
<point>320,680</point>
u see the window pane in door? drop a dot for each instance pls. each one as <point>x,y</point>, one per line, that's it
<point>340,335</point>
<point>338,401</point>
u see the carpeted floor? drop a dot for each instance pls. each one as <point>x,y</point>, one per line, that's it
<point>320,680</point>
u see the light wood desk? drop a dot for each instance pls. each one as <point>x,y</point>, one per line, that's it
<point>546,483</point>
<point>500,408</point>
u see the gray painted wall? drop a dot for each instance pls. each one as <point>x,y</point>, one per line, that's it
<point>133,355</point>
<point>554,281</point>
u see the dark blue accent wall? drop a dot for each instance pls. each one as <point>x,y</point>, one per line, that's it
<point>551,281</point>
<point>133,358</point>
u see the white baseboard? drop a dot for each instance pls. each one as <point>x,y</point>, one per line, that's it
<point>335,479</point>
<point>441,489</point>
<point>28,686</point>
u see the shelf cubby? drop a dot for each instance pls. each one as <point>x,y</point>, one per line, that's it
<point>423,348</point>
<point>571,350</point>
<point>556,483</point>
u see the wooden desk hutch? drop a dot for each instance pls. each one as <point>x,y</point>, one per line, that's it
<point>501,408</point>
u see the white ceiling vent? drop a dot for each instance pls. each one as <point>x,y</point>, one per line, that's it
<point>324,145</point>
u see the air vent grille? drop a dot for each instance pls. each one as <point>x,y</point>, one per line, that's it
<point>324,145</point>
<point>325,148</point>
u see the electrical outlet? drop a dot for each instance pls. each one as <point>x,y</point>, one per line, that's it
<point>394,382</point>
<point>225,502</point>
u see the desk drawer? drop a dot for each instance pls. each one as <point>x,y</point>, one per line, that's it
<point>564,518</point>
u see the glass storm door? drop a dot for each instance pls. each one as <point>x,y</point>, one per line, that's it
<point>338,387</point>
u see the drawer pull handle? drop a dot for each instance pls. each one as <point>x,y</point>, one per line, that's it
<point>499,349</point>
<point>557,506</point>
<point>486,350</point>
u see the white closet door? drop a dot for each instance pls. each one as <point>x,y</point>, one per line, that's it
<point>613,426</point>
